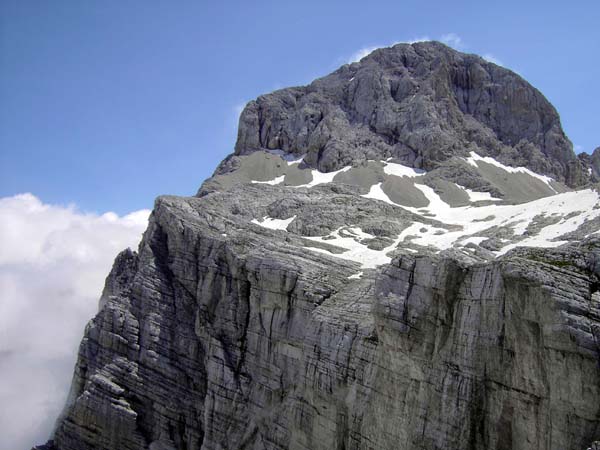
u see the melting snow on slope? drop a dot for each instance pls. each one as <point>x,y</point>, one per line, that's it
<point>402,171</point>
<point>271,182</point>
<point>322,177</point>
<point>473,240</point>
<point>472,224</point>
<point>274,224</point>
<point>288,157</point>
<point>474,220</point>
<point>377,193</point>
<point>475,196</point>
<point>291,159</point>
<point>349,239</point>
<point>356,276</point>
<point>475,157</point>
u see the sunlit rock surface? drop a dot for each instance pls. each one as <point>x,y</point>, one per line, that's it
<point>403,255</point>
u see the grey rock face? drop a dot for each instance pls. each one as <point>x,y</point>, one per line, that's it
<point>277,311</point>
<point>246,342</point>
<point>421,104</point>
<point>591,164</point>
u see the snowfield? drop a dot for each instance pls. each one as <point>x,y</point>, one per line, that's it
<point>539,223</point>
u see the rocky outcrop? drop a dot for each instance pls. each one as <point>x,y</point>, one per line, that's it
<point>284,308</point>
<point>591,164</point>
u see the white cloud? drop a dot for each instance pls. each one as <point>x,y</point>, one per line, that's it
<point>415,40</point>
<point>491,58</point>
<point>450,39</point>
<point>578,148</point>
<point>361,53</point>
<point>453,40</point>
<point>234,117</point>
<point>53,262</point>
<point>237,110</point>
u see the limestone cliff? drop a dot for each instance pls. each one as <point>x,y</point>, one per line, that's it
<point>393,258</point>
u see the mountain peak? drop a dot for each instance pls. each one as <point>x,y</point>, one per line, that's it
<point>390,259</point>
<point>421,104</point>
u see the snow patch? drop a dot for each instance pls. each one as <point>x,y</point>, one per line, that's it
<point>323,177</point>
<point>274,224</point>
<point>272,182</point>
<point>402,171</point>
<point>376,193</point>
<point>474,158</point>
<point>472,221</point>
<point>298,160</point>
<point>475,196</point>
<point>435,201</point>
<point>287,157</point>
<point>473,240</point>
<point>356,276</point>
<point>355,251</point>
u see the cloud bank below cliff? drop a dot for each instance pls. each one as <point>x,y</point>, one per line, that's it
<point>53,261</point>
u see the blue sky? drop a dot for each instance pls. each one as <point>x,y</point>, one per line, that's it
<point>108,104</point>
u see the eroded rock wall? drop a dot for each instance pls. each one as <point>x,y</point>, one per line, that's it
<point>211,343</point>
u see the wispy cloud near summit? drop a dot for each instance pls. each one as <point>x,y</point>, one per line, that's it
<point>453,40</point>
<point>450,39</point>
<point>361,53</point>
<point>491,58</point>
<point>364,51</point>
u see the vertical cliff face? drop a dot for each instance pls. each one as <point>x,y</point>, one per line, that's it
<point>201,345</point>
<point>387,304</point>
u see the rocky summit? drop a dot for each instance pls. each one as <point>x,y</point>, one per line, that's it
<point>404,254</point>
